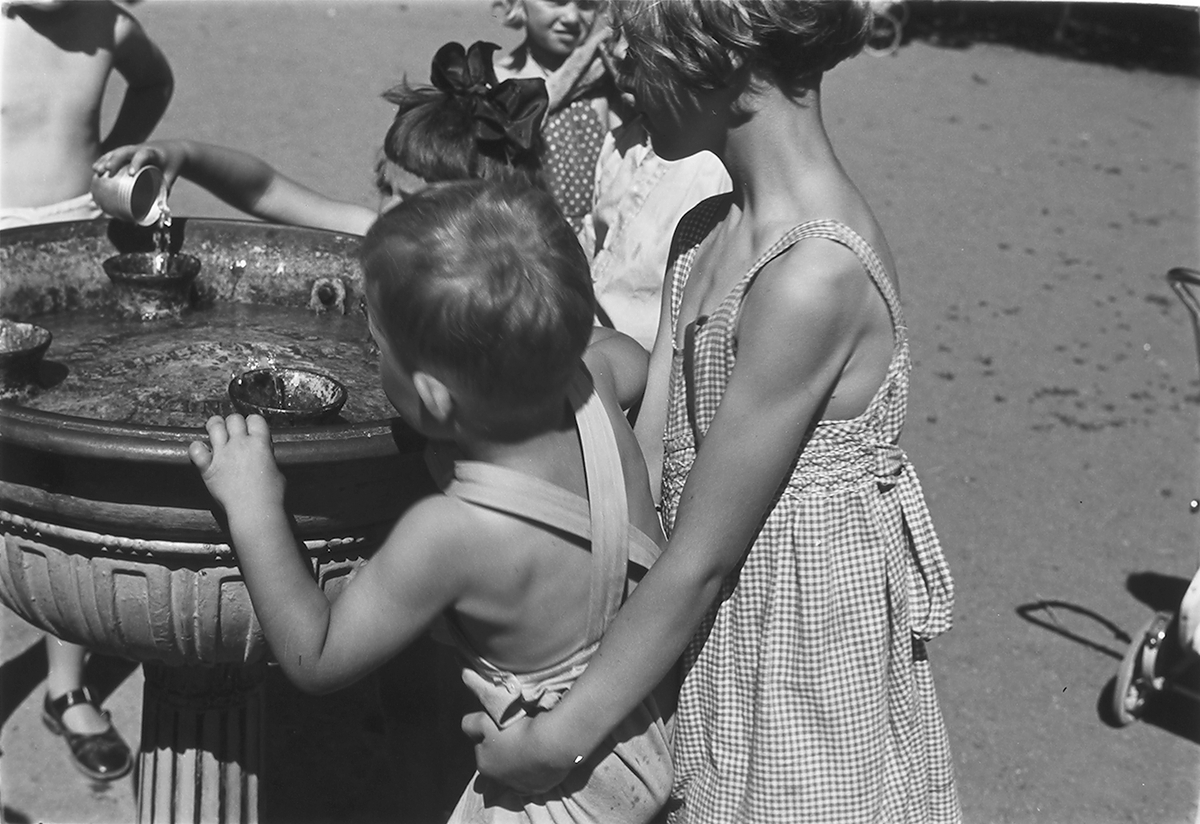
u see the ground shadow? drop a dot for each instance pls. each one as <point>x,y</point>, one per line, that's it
<point>1094,631</point>
<point>389,748</point>
<point>21,675</point>
<point>1161,38</point>
<point>1171,704</point>
<point>10,816</point>
<point>1167,710</point>
<point>1162,593</point>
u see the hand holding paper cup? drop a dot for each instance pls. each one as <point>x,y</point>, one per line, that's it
<point>135,198</point>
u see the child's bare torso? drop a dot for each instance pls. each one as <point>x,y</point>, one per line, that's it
<point>528,604</point>
<point>55,67</point>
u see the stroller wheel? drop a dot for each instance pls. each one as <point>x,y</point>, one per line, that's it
<point>1135,677</point>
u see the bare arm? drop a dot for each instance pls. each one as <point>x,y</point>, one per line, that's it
<point>794,343</point>
<point>241,180</point>
<point>652,417</point>
<point>621,357</point>
<point>149,78</point>
<point>322,646</point>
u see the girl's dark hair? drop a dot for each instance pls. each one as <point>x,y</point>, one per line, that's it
<point>433,136</point>
<point>466,125</point>
<point>486,281</point>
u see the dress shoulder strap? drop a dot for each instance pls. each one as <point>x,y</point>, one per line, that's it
<point>693,227</point>
<point>840,233</point>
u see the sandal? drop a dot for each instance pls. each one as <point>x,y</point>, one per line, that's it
<point>101,756</point>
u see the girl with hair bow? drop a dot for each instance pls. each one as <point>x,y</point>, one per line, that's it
<point>563,46</point>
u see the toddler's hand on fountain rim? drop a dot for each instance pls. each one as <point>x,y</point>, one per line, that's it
<point>239,467</point>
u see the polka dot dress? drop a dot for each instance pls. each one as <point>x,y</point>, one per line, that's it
<point>573,137</point>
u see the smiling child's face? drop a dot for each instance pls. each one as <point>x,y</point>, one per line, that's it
<point>558,26</point>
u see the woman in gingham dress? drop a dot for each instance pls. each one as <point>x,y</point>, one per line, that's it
<point>803,576</point>
<point>830,608</point>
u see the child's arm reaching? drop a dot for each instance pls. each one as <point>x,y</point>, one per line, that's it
<point>321,647</point>
<point>241,180</point>
<point>622,357</point>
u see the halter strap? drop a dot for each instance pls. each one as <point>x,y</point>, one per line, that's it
<point>602,519</point>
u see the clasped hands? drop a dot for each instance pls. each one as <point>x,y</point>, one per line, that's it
<point>516,756</point>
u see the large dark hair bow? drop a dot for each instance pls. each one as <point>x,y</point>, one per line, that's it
<point>510,112</point>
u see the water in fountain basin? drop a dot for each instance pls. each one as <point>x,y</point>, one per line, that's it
<point>175,372</point>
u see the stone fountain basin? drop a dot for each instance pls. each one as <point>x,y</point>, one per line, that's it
<point>110,538</point>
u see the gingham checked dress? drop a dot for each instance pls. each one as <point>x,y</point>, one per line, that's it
<point>807,693</point>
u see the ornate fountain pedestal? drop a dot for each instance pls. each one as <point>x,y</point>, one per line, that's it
<point>110,539</point>
<point>206,723</point>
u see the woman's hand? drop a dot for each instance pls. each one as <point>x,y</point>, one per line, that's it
<point>239,469</point>
<point>514,756</point>
<point>168,155</point>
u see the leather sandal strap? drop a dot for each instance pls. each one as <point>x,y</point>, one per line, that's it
<point>70,699</point>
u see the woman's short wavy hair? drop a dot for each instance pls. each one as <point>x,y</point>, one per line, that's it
<point>702,44</point>
<point>485,281</point>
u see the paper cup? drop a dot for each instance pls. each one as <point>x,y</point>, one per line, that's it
<point>135,198</point>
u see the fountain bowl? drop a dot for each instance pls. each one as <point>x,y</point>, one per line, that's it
<point>108,536</point>
<point>287,396</point>
<point>152,285</point>
<point>22,347</point>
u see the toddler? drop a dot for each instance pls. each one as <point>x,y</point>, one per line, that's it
<point>480,300</point>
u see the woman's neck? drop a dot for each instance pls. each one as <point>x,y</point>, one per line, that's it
<point>782,133</point>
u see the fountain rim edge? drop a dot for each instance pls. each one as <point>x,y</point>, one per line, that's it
<point>85,437</point>
<point>36,228</point>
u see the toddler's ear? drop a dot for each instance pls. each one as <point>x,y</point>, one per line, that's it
<point>435,395</point>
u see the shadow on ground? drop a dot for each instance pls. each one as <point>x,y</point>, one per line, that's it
<point>1172,710</point>
<point>392,742</point>
<point>25,673</point>
<point>1160,38</point>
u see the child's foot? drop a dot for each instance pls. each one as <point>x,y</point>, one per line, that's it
<point>97,749</point>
